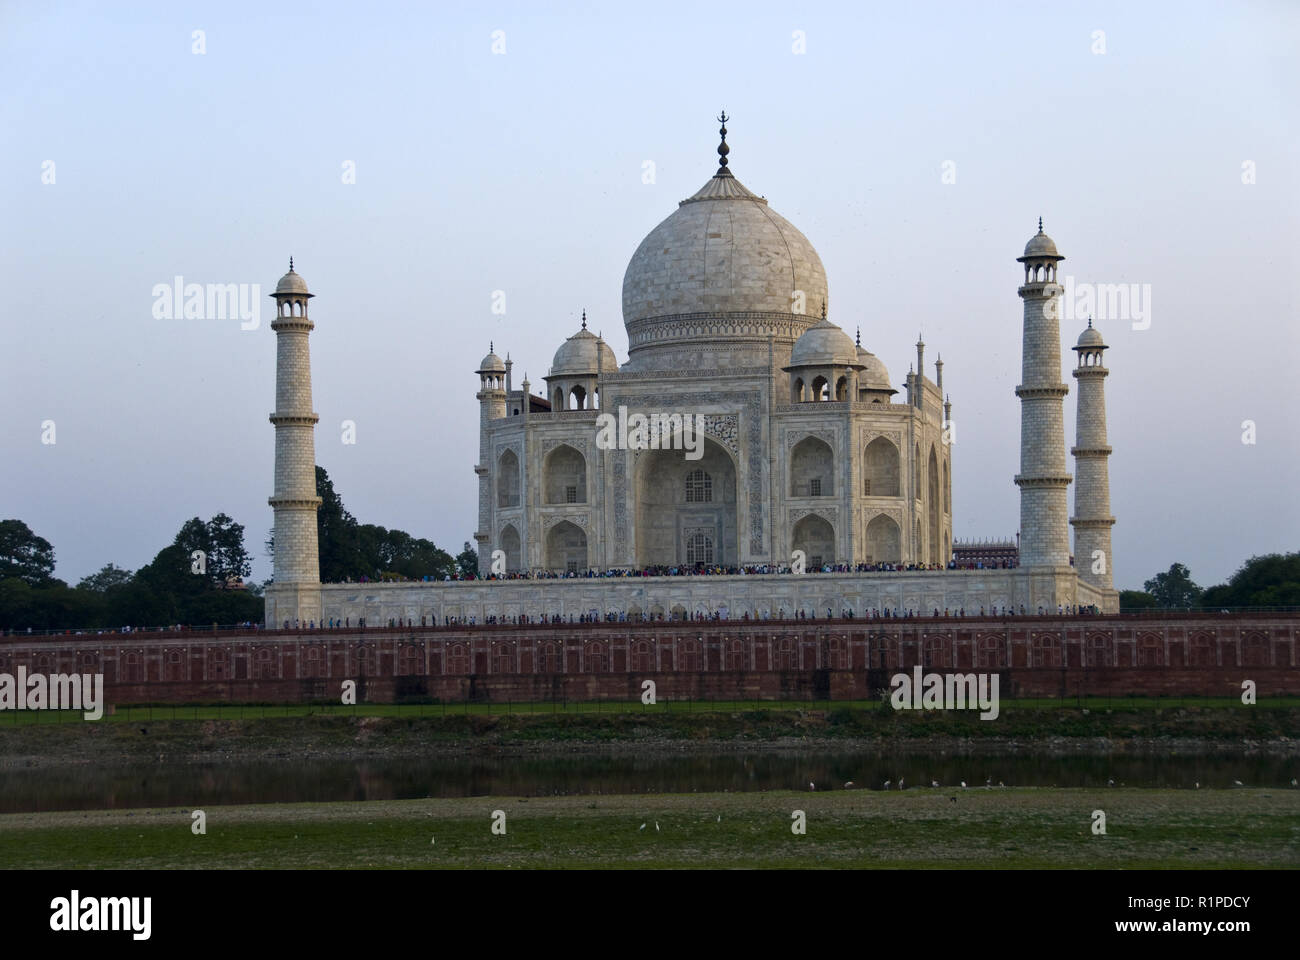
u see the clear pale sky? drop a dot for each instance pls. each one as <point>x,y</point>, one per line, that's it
<point>522,172</point>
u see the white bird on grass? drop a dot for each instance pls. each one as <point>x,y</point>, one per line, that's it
<point>963,784</point>
<point>900,783</point>
<point>934,783</point>
<point>887,783</point>
<point>811,785</point>
<point>656,826</point>
<point>642,827</point>
<point>1238,783</point>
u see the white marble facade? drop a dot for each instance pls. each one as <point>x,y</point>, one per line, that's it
<point>806,448</point>
<point>806,444</point>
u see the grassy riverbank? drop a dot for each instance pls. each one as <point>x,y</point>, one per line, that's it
<point>1058,729</point>
<point>919,828</point>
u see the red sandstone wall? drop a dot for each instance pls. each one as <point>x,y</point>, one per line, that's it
<point>837,659</point>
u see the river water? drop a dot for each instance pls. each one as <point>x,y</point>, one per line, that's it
<point>278,781</point>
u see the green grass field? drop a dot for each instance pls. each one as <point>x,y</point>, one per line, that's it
<point>919,828</point>
<point>131,713</point>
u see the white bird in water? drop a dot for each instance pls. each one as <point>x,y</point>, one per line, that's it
<point>642,827</point>
<point>656,826</point>
<point>719,818</point>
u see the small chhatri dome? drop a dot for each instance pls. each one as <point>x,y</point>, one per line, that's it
<point>874,375</point>
<point>1091,337</point>
<point>824,344</point>
<point>492,363</point>
<point>1041,245</point>
<point>291,282</point>
<point>582,354</point>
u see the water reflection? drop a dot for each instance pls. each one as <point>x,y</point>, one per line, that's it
<point>88,788</point>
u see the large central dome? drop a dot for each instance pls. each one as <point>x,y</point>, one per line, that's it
<point>719,277</point>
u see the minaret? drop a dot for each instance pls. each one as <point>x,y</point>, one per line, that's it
<point>1044,506</point>
<point>491,406</point>
<point>295,592</point>
<point>919,395</point>
<point>1092,520</point>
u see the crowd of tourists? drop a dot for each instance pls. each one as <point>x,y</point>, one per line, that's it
<point>623,616</point>
<point>700,570</point>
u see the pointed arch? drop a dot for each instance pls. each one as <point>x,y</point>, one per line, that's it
<point>507,479</point>
<point>880,462</point>
<point>815,536</point>
<point>564,475</point>
<point>884,540</point>
<point>566,548</point>
<point>812,468</point>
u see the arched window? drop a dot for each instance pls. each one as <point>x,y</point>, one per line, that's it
<point>699,548</point>
<point>699,487</point>
<point>507,479</point>
<point>880,469</point>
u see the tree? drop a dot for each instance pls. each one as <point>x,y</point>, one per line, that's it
<point>336,534</point>
<point>227,559</point>
<point>467,561</point>
<point>1266,581</point>
<point>24,555</point>
<point>1136,600</point>
<point>1174,589</point>
<point>221,541</point>
<point>108,577</point>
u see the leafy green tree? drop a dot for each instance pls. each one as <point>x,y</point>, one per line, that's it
<point>17,605</point>
<point>1136,600</point>
<point>108,577</point>
<point>1174,589</point>
<point>1264,581</point>
<point>24,555</point>
<point>228,561</point>
<point>336,534</point>
<point>467,561</point>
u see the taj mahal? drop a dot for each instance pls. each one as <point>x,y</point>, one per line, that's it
<point>765,441</point>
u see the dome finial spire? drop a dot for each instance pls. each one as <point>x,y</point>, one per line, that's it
<point>1040,224</point>
<point>823,309</point>
<point>291,264</point>
<point>723,149</point>
<point>584,318</point>
<point>492,347</point>
<point>857,340</point>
